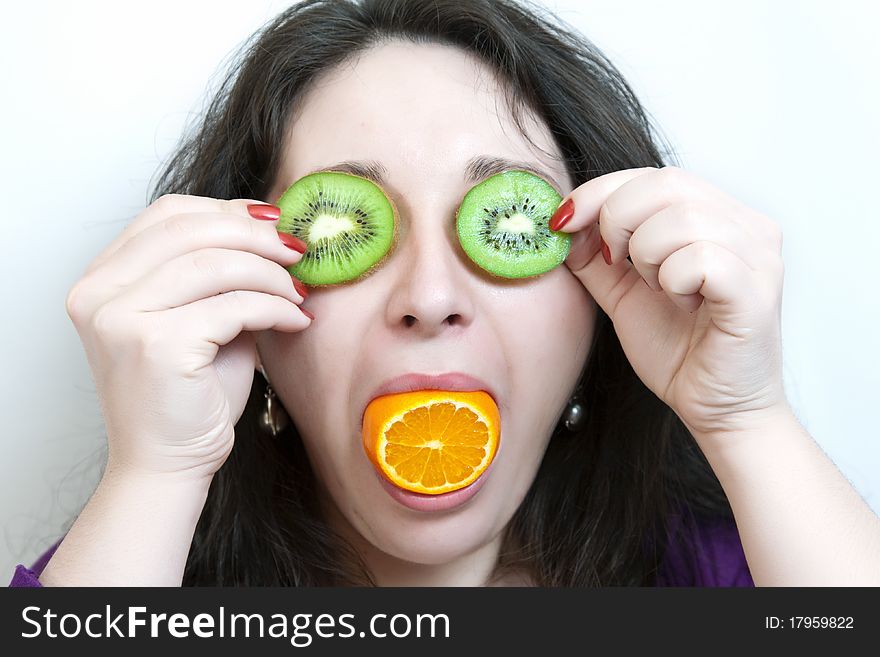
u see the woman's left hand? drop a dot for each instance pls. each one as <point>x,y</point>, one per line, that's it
<point>698,310</point>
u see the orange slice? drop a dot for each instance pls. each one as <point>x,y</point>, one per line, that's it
<point>432,441</point>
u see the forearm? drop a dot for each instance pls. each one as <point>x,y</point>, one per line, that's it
<point>134,531</point>
<point>800,520</point>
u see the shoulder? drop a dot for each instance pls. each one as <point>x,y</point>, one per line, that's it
<point>710,555</point>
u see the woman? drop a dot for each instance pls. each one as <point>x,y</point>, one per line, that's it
<point>645,427</point>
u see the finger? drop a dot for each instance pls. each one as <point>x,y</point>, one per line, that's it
<point>581,207</point>
<point>185,233</point>
<point>680,224</point>
<point>167,206</point>
<point>216,321</point>
<point>706,270</point>
<point>205,273</point>
<point>606,284</point>
<point>627,207</point>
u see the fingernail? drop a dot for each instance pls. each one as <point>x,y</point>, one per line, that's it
<point>562,215</point>
<point>299,287</point>
<point>292,242</point>
<point>606,252</point>
<point>306,313</point>
<point>261,211</point>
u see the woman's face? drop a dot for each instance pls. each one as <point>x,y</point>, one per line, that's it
<point>422,113</point>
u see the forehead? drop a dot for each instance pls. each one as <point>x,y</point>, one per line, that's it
<point>421,110</point>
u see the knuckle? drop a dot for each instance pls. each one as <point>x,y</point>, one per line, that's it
<point>770,290</point>
<point>690,214</point>
<point>151,345</point>
<point>285,278</point>
<point>178,227</point>
<point>606,217</point>
<point>168,203</point>
<point>73,303</point>
<point>232,301</point>
<point>670,179</point>
<point>669,173</point>
<point>226,228</point>
<point>704,253</point>
<point>239,230</point>
<point>230,206</point>
<point>146,341</point>
<point>252,231</point>
<point>207,263</point>
<point>637,249</point>
<point>105,323</point>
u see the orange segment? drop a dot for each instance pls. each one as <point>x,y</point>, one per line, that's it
<point>432,441</point>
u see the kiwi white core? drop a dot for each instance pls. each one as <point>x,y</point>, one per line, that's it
<point>327,225</point>
<point>518,223</point>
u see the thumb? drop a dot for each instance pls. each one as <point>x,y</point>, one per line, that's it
<point>235,364</point>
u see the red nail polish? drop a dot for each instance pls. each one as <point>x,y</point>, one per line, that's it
<point>606,252</point>
<point>562,215</point>
<point>292,242</point>
<point>306,313</point>
<point>299,287</point>
<point>267,212</point>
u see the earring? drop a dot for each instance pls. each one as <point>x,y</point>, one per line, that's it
<point>273,418</point>
<point>574,412</point>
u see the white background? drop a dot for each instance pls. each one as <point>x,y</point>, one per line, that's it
<point>776,103</point>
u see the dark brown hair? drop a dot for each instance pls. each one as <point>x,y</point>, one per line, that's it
<point>600,509</point>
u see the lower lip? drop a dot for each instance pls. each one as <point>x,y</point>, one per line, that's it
<point>441,502</point>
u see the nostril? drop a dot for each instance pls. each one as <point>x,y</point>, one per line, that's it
<point>409,320</point>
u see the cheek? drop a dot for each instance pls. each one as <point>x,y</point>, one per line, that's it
<point>548,338</point>
<point>318,368</point>
<point>554,325</point>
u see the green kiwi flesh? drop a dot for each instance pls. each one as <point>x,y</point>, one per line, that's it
<point>347,222</point>
<point>502,225</point>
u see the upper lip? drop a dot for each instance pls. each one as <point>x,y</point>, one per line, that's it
<point>419,381</point>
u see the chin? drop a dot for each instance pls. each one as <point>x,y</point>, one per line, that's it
<point>422,537</point>
<point>431,539</point>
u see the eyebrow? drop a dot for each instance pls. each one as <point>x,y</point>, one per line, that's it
<point>478,168</point>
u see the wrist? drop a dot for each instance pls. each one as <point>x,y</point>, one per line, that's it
<point>749,435</point>
<point>169,497</point>
<point>123,474</point>
<point>135,530</point>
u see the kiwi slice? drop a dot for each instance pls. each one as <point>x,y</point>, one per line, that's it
<point>347,221</point>
<point>503,221</point>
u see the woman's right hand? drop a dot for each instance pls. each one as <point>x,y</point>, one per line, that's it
<point>164,314</point>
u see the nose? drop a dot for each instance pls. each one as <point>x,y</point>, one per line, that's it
<point>430,291</point>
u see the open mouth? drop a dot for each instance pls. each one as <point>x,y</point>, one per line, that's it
<point>434,503</point>
<point>432,448</point>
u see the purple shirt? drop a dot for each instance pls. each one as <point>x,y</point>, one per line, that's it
<point>719,561</point>
<point>28,576</point>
